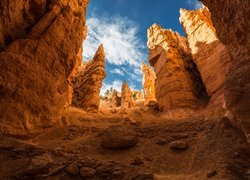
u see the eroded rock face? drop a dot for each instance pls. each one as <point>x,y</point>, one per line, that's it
<point>39,43</point>
<point>178,83</point>
<point>148,82</point>
<point>137,95</point>
<point>231,21</point>
<point>126,96</point>
<point>209,54</point>
<point>115,99</point>
<point>87,82</point>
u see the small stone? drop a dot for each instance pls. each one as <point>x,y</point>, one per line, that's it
<point>118,138</point>
<point>73,170</point>
<point>87,172</point>
<point>161,141</point>
<point>211,173</point>
<point>178,145</point>
<point>102,169</point>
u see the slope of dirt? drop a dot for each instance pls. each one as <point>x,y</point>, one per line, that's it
<point>191,148</point>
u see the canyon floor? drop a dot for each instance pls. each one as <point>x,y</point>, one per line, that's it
<point>129,144</point>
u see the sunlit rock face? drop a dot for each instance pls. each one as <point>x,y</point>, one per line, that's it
<point>231,21</point>
<point>148,82</point>
<point>87,82</point>
<point>178,83</point>
<point>115,99</point>
<point>137,95</point>
<point>126,97</point>
<point>209,54</point>
<point>39,43</point>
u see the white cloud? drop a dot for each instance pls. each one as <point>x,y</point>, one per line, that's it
<point>117,71</point>
<point>195,4</point>
<point>117,85</point>
<point>119,38</point>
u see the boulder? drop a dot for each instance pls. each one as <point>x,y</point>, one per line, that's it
<point>118,138</point>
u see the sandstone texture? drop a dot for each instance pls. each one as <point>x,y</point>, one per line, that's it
<point>126,97</point>
<point>118,138</point>
<point>39,43</point>
<point>231,21</point>
<point>210,55</point>
<point>178,83</point>
<point>137,95</point>
<point>148,82</point>
<point>115,99</point>
<point>87,82</point>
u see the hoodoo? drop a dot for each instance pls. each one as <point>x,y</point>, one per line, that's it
<point>126,96</point>
<point>178,83</point>
<point>88,82</point>
<point>209,54</point>
<point>148,82</point>
<point>186,117</point>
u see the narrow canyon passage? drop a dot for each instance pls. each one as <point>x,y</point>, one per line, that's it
<point>85,96</point>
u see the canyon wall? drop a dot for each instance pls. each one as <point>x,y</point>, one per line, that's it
<point>39,43</point>
<point>148,82</point>
<point>231,21</point>
<point>209,54</point>
<point>178,83</point>
<point>126,96</point>
<point>87,82</point>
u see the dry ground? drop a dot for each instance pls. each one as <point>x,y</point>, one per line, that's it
<point>207,147</point>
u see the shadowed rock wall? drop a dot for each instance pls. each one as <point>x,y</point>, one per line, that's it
<point>39,43</point>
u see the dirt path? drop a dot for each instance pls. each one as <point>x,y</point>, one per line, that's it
<point>107,147</point>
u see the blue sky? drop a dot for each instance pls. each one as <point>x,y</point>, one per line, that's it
<point>121,25</point>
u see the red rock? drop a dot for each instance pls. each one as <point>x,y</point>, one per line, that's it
<point>126,97</point>
<point>39,43</point>
<point>231,21</point>
<point>115,99</point>
<point>148,82</point>
<point>178,83</point>
<point>87,82</point>
<point>209,54</point>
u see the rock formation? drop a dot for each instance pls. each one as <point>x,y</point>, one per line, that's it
<point>39,43</point>
<point>178,83</point>
<point>87,82</point>
<point>126,97</point>
<point>115,99</point>
<point>231,21</point>
<point>148,82</point>
<point>137,95</point>
<point>209,54</point>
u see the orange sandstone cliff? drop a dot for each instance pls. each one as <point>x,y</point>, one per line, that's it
<point>178,82</point>
<point>231,22</point>
<point>39,43</point>
<point>209,54</point>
